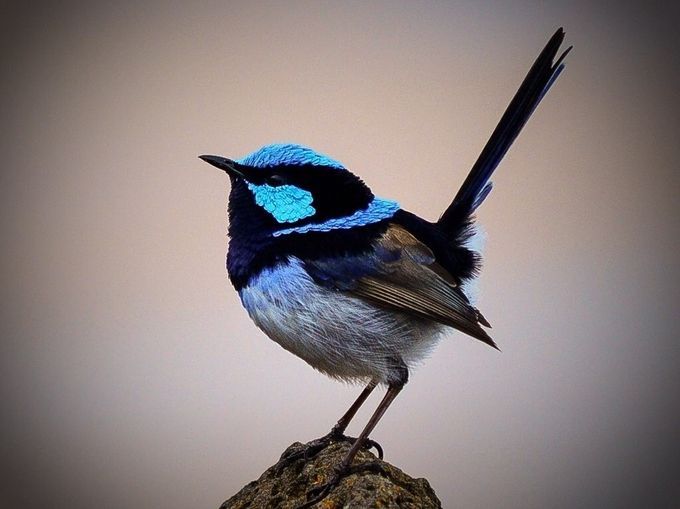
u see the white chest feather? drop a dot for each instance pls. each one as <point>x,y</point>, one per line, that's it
<point>335,332</point>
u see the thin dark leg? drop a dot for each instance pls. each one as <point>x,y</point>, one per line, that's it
<point>344,421</point>
<point>323,491</point>
<point>392,392</point>
<point>336,434</point>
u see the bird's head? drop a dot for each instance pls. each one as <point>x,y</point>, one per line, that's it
<point>289,187</point>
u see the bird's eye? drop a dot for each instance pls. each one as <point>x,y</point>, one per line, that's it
<point>275,180</point>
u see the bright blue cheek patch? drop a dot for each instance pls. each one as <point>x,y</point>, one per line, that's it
<point>287,204</point>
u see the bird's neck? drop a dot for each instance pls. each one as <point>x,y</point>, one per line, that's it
<point>257,241</point>
<point>249,254</point>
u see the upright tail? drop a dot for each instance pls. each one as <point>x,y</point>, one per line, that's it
<point>476,187</point>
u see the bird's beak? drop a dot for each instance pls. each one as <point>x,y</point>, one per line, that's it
<point>231,167</point>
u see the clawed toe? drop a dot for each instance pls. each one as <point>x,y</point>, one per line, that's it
<point>367,445</point>
<point>372,444</point>
<point>374,467</point>
<point>317,494</point>
<point>306,452</point>
<point>311,449</point>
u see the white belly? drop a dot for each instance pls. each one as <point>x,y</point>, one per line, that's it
<point>336,333</point>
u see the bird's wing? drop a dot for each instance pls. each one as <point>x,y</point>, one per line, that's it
<point>401,273</point>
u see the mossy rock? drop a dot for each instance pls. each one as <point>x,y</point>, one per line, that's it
<point>372,483</point>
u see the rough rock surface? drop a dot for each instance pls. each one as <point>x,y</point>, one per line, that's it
<point>372,483</point>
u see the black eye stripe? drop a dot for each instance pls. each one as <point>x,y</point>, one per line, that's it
<point>275,180</point>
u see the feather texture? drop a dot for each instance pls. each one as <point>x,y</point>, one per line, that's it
<point>401,274</point>
<point>336,332</point>
<point>288,154</point>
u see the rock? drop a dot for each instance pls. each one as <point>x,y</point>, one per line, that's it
<point>372,483</point>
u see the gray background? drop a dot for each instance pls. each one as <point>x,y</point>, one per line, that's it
<point>132,377</point>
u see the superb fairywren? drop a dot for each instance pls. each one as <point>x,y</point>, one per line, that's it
<point>351,283</point>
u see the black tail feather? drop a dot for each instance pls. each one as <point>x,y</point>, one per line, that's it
<point>476,187</point>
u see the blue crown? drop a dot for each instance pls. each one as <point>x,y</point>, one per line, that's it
<point>278,154</point>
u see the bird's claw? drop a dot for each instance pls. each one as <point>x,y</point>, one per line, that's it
<point>339,436</point>
<point>374,467</point>
<point>308,450</point>
<point>372,444</point>
<point>311,449</point>
<point>318,493</point>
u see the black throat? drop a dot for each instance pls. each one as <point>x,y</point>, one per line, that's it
<point>253,247</point>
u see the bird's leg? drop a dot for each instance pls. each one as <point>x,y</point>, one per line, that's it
<point>339,429</point>
<point>320,492</point>
<point>392,392</point>
<point>335,435</point>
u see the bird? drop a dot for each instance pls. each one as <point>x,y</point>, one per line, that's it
<point>356,286</point>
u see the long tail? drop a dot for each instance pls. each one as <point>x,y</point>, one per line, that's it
<point>477,186</point>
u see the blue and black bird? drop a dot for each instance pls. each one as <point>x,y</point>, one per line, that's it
<point>351,283</point>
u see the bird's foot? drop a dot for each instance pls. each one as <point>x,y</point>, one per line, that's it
<point>307,451</point>
<point>374,467</point>
<point>339,436</point>
<point>311,449</point>
<point>317,494</point>
<point>370,444</point>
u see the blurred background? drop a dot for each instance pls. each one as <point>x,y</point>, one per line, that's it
<point>131,376</point>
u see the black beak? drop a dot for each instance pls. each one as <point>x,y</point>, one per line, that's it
<point>231,167</point>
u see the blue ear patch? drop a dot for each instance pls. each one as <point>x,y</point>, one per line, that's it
<point>287,204</point>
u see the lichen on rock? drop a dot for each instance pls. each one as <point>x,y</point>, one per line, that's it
<point>371,483</point>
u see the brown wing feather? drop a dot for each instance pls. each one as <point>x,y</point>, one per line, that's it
<point>416,284</point>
